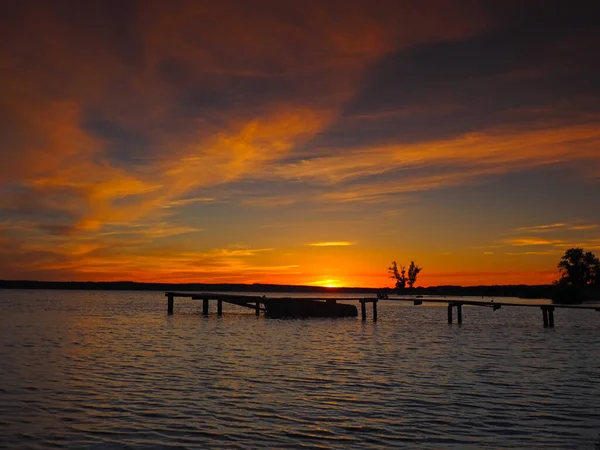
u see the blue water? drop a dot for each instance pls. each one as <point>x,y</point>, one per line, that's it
<point>112,370</point>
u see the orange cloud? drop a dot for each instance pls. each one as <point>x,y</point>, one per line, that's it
<point>533,241</point>
<point>331,244</point>
<point>216,46</point>
<point>584,227</point>
<point>542,228</point>
<point>466,159</point>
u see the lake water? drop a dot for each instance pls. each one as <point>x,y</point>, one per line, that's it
<point>112,370</point>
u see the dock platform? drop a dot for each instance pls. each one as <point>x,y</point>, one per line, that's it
<point>260,303</point>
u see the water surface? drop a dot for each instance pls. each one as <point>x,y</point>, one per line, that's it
<point>111,370</point>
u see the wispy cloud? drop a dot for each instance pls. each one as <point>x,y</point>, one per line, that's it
<point>464,159</point>
<point>149,230</point>
<point>331,244</point>
<point>523,242</point>
<point>542,228</point>
<point>276,269</point>
<point>270,201</point>
<point>544,252</point>
<point>584,227</point>
<point>188,201</point>
<point>555,227</point>
<point>591,243</point>
<point>241,252</point>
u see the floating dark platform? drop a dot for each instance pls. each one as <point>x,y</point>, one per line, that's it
<point>303,307</point>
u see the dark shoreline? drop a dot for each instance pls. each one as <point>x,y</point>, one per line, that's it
<point>523,291</point>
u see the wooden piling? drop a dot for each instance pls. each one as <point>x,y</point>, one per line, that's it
<point>170,303</point>
<point>545,317</point>
<point>375,311</point>
<point>449,312</point>
<point>219,307</point>
<point>205,307</point>
<point>551,317</point>
<point>363,310</point>
<point>257,308</point>
<point>459,313</point>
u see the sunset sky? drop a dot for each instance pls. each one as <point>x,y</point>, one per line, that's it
<point>298,142</point>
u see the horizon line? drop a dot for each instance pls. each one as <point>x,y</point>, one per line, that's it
<point>262,284</point>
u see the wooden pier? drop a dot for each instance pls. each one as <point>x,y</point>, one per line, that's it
<point>248,301</point>
<point>259,303</point>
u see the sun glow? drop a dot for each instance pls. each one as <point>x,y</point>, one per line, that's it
<point>328,283</point>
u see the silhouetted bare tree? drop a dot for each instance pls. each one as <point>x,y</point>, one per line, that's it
<point>413,271</point>
<point>399,276</point>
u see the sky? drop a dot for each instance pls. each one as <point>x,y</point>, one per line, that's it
<point>291,142</point>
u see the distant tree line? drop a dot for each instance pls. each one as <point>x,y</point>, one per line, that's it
<point>197,287</point>
<point>525,291</point>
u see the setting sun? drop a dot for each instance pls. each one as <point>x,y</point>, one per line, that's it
<point>328,283</point>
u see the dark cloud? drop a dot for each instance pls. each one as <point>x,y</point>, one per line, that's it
<point>124,146</point>
<point>46,205</point>
<point>536,70</point>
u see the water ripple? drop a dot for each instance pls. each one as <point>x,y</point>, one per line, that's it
<point>111,370</point>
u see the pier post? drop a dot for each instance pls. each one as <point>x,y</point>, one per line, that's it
<point>257,310</point>
<point>363,310</point>
<point>170,302</point>
<point>551,317</point>
<point>449,312</point>
<point>219,307</point>
<point>459,313</point>
<point>545,317</point>
<point>375,311</point>
<point>205,307</point>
